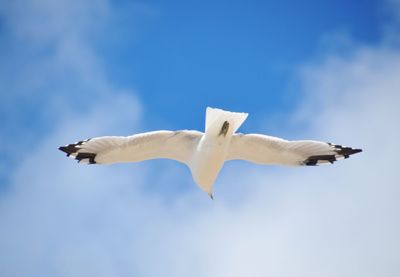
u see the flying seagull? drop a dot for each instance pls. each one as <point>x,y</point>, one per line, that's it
<point>205,153</point>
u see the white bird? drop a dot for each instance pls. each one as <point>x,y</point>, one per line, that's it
<point>205,153</point>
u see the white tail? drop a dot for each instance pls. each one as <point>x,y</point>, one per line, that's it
<point>215,118</point>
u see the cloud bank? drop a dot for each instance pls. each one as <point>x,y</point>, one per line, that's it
<point>62,219</point>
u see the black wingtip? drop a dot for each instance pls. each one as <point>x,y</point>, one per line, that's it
<point>69,149</point>
<point>89,156</point>
<point>340,152</point>
<point>63,149</point>
<point>344,151</point>
<point>317,159</point>
<point>79,156</point>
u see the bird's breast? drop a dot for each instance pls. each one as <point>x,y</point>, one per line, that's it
<point>207,162</point>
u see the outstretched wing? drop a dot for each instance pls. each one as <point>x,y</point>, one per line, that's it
<point>263,149</point>
<point>176,145</point>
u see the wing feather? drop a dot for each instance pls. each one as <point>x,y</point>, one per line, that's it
<point>176,145</point>
<point>262,149</point>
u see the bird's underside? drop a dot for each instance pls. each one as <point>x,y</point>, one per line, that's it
<point>179,145</point>
<point>205,153</point>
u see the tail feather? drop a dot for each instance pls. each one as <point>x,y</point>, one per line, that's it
<point>215,119</point>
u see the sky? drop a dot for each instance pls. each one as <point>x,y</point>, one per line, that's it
<point>323,70</point>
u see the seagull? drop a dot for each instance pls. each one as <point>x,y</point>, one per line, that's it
<point>205,153</point>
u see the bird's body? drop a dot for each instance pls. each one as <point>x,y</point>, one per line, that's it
<point>207,161</point>
<point>213,147</point>
<point>205,153</point>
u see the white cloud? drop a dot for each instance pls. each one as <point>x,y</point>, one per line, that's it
<point>51,69</point>
<point>60,218</point>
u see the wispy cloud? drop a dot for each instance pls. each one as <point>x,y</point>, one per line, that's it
<point>51,70</point>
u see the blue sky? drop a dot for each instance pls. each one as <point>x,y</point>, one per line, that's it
<point>173,56</point>
<point>325,70</point>
<point>212,52</point>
